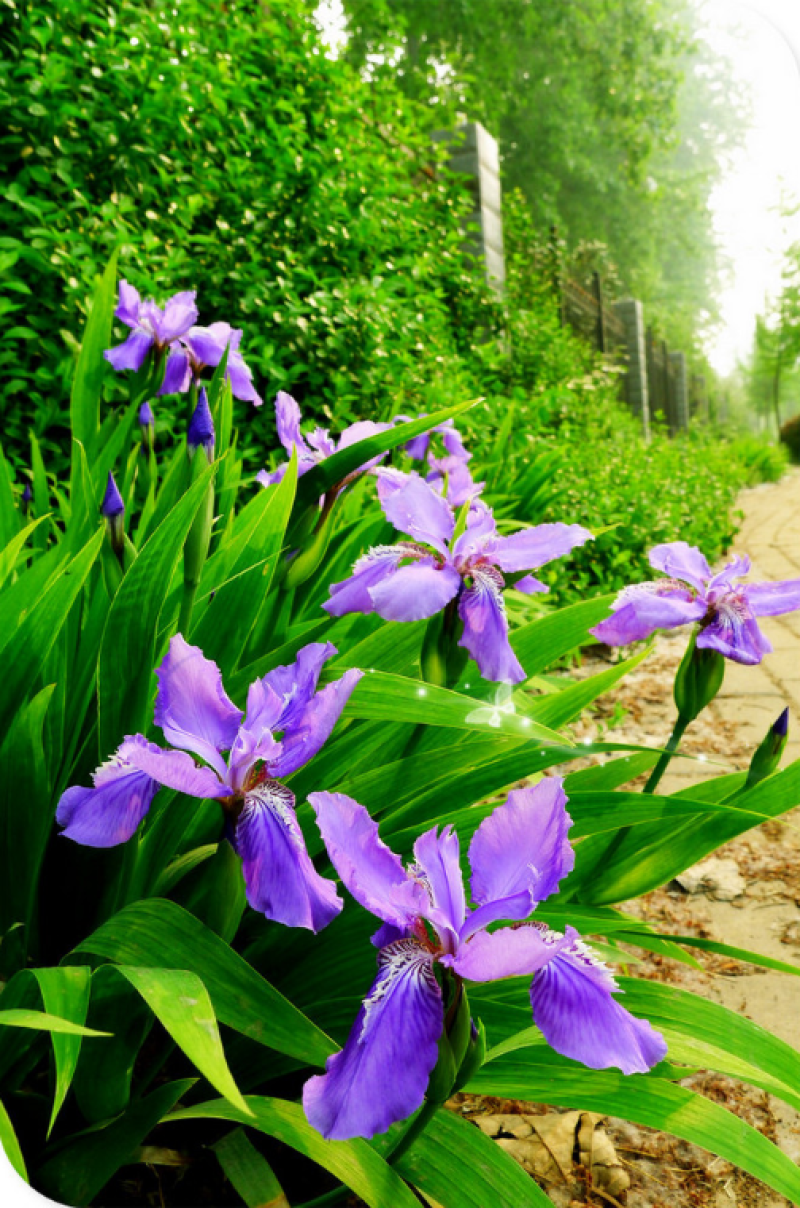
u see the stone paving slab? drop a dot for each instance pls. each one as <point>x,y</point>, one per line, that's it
<point>770,536</point>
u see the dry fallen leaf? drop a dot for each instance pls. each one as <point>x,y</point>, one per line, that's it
<point>550,1146</point>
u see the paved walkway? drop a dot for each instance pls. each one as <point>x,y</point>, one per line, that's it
<point>767,918</point>
<point>771,536</point>
<point>753,697</point>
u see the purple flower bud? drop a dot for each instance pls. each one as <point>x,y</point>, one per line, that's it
<point>780,728</point>
<point>200,433</point>
<point>112,505</point>
<point>113,508</point>
<point>27,496</point>
<point>147,424</point>
<point>767,756</point>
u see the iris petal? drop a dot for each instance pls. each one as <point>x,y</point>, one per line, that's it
<point>287,420</point>
<point>532,547</point>
<point>415,508</point>
<point>509,952</point>
<point>295,683</point>
<point>437,857</point>
<point>192,707</point>
<point>485,636</point>
<point>382,1073</point>
<point>416,591</point>
<point>773,599</point>
<point>174,769</point>
<point>110,812</point>
<point>574,1008</point>
<point>280,879</point>
<point>131,354</point>
<point>353,594</point>
<point>680,560</point>
<point>311,728</point>
<point>521,850</point>
<point>641,610</point>
<point>370,870</point>
<point>734,632</point>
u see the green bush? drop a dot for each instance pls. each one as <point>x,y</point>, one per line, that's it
<point>225,151</point>
<point>790,437</point>
<point>222,150</point>
<point>760,460</point>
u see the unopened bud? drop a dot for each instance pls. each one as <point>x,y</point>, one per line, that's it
<point>147,425</point>
<point>767,757</point>
<point>474,1056</point>
<point>698,680</point>
<point>308,557</point>
<point>200,433</point>
<point>27,496</point>
<point>113,508</point>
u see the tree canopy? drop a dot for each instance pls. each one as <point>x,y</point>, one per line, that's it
<point>614,119</point>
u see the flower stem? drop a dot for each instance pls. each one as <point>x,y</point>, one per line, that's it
<point>330,1197</point>
<point>414,1130</point>
<point>404,1143</point>
<point>663,762</point>
<point>656,774</point>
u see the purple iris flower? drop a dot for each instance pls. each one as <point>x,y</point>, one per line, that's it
<point>415,579</point>
<point>318,445</point>
<point>725,610</point>
<point>456,474</point>
<point>152,328</point>
<point>196,715</point>
<point>518,856</point>
<point>451,469</point>
<point>204,347</point>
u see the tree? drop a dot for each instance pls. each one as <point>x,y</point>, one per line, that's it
<point>614,120</point>
<point>776,344</point>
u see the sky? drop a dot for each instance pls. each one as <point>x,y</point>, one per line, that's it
<point>762,39</point>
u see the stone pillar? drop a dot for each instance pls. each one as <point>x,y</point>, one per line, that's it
<point>630,313</point>
<point>678,361</point>
<point>474,153</point>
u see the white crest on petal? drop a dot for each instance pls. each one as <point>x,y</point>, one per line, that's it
<point>275,797</point>
<point>395,961</point>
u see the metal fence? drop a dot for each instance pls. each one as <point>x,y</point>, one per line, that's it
<point>655,381</point>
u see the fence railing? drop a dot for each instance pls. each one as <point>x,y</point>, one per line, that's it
<point>656,379</point>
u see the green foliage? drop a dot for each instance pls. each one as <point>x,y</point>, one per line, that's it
<point>790,438</point>
<point>148,974</point>
<point>615,120</point>
<point>761,460</point>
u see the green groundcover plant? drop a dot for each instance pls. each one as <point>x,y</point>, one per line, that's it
<point>221,698</point>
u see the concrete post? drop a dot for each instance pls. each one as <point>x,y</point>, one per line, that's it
<point>678,360</point>
<point>475,154</point>
<point>631,314</point>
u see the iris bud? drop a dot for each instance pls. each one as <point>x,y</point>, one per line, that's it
<point>474,1056</point>
<point>767,756</point>
<point>698,681</point>
<point>311,553</point>
<point>200,433</point>
<point>147,425</point>
<point>113,508</point>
